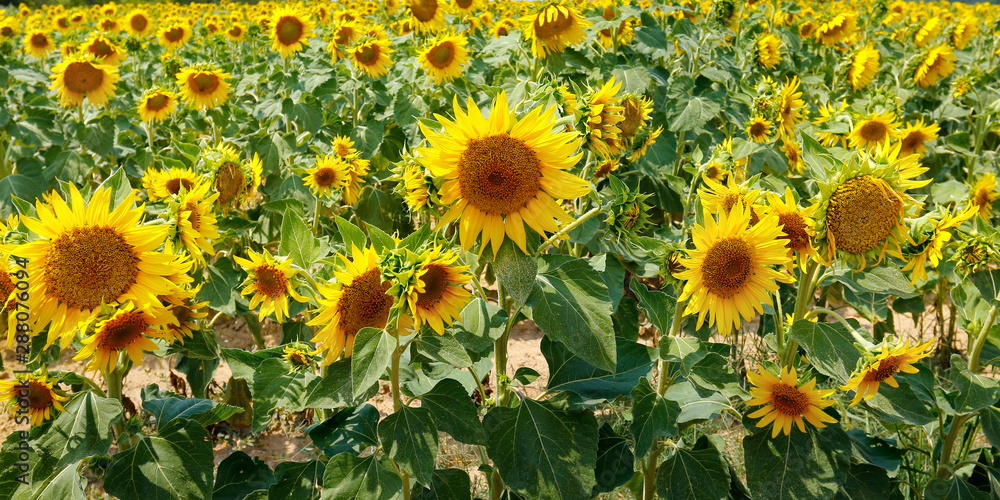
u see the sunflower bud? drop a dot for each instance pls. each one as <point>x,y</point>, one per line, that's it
<point>628,214</point>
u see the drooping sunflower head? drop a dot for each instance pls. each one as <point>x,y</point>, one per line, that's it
<point>127,329</point>
<point>300,356</point>
<point>357,300</point>
<point>43,398</point>
<point>552,26</point>
<point>343,147</point>
<point>938,63</point>
<point>330,173</point>
<point>156,105</point>
<point>962,85</point>
<point>628,213</point>
<point>87,254</point>
<point>841,26</point>
<point>791,108</point>
<point>913,137</point>
<point>234,180</point>
<point>833,124</point>
<point>503,172</point>
<point>862,212</point>
<point>415,184</point>
<point>728,275</point>
<point>443,57</point>
<point>927,31</point>
<point>503,27</point>
<point>882,368</point>
<point>427,15</point>
<point>793,153</point>
<point>104,50</point>
<point>602,112</point>
<point>874,131</point>
<point>186,310</point>
<point>984,193</point>
<point>203,87</point>
<point>270,281</point>
<point>864,66</point>
<point>786,402</point>
<point>290,30</point>
<point>768,50</point>
<point>358,172</point>
<point>38,44</point>
<point>797,224</point>
<point>975,252</point>
<point>636,113</point>
<point>194,222</point>
<point>371,56</point>
<point>930,233</point>
<point>438,296</point>
<point>80,76</point>
<point>965,30</point>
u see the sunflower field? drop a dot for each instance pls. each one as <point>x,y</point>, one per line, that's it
<point>752,246</point>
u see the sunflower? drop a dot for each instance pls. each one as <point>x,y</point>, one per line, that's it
<point>602,112</point>
<point>834,121</point>
<point>173,36</point>
<point>290,30</point>
<point>195,222</point>
<point>863,208</point>
<point>787,403</point>
<point>9,27</point>
<point>38,44</point>
<point>606,167</point>
<point>371,56</point>
<point>717,197</point>
<point>233,179</point>
<point>768,51</point>
<point>875,131</point>
<point>161,184</point>
<point>85,256</point>
<point>503,172</point>
<point>40,393</point>
<point>503,27</point>
<point>793,153</point>
<point>928,31</point>
<point>129,329</point>
<point>300,356</point>
<point>791,107</point>
<point>863,67</point>
<point>636,111</point>
<point>650,139</point>
<point>358,299</point>
<point>203,87</point>
<point>965,30</point>
<point>236,32</point>
<point>728,274</point>
<point>104,50</point>
<point>466,7</point>
<point>932,244</point>
<point>884,367</point>
<point>552,27</point>
<point>138,23</point>
<point>438,297</point>
<point>759,129</point>
<point>983,194</point>
<point>78,77</point>
<point>913,137</point>
<point>444,57</point>
<point>187,311</point>
<point>61,23</point>
<point>426,15</point>
<point>343,147</point>
<point>345,34</point>
<point>937,64</point>
<point>837,29</point>
<point>271,281</point>
<point>331,173</point>
<point>797,224</point>
<point>157,104</point>
<point>416,185</point>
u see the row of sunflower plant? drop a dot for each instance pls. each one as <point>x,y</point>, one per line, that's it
<point>758,238</point>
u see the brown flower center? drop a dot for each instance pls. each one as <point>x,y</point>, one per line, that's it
<point>235,31</point>
<point>87,266</point>
<point>758,129</point>
<point>325,176</point>
<point>368,54</point>
<point>364,303</point>
<point>138,23</point>
<point>174,34</point>
<point>873,131</point>
<point>886,368</point>
<point>435,285</point>
<point>633,117</point>
<point>344,35</point>
<point>122,330</point>
<point>39,41</point>
<point>175,184</point>
<point>424,10</point>
<point>862,214</point>
<point>441,56</point>
<point>728,266</point>
<point>498,174</point>
<point>82,77</point>
<point>6,288</point>
<point>156,103</point>
<point>548,26</point>
<point>203,83</point>
<point>39,395</point>
<point>271,281</point>
<point>288,30</point>
<point>912,141</point>
<point>789,400</point>
<point>463,4</point>
<point>794,226</point>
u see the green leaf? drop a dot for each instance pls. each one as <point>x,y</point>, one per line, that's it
<point>120,188</point>
<point>21,186</point>
<point>65,484</point>
<point>658,306</point>
<point>372,352</point>
<point>297,480</point>
<point>541,451</point>
<point>515,271</point>
<point>615,461</point>
<point>866,482</point>
<point>297,240</point>
<point>830,347</point>
<point>635,78</point>
<point>693,406</point>
<point>714,373</point>
<point>701,474</point>
<point>570,304</point>
<point>567,372</point>
<point>353,478</point>
<point>444,348</point>
<point>975,392</point>
<point>166,408</point>
<point>810,464</point>
<point>695,112</point>
<point>989,417</point>
<point>350,430</point>
<point>79,432</point>
<point>482,323</point>
<point>239,474</point>
<point>175,462</point>
<point>276,385</point>
<point>652,417</point>
<point>243,363</point>
<point>219,289</point>
<point>447,484</point>
<point>880,280</point>
<point>409,438</point>
<point>349,234</point>
<point>650,34</point>
<point>334,390</point>
<point>685,350</point>
<point>380,240</point>
<point>955,488</point>
<point>454,411</point>
<point>900,405</point>
<point>875,450</point>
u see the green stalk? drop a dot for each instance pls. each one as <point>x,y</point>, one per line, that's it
<point>397,404</point>
<point>649,467</point>
<point>316,217</point>
<point>803,298</point>
<point>567,228</point>
<point>980,340</point>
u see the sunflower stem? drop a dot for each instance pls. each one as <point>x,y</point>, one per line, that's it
<point>316,217</point>
<point>149,137</point>
<point>397,403</point>
<point>944,470</point>
<point>675,327</point>
<point>567,228</point>
<point>803,299</point>
<point>980,340</point>
<point>89,382</point>
<point>840,319</point>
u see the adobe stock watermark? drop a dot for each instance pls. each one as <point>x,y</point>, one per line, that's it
<point>20,309</point>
